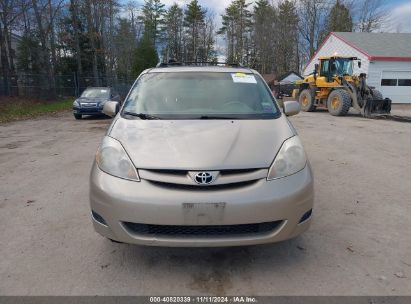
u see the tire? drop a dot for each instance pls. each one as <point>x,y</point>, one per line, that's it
<point>78,116</point>
<point>306,100</point>
<point>376,94</point>
<point>339,102</point>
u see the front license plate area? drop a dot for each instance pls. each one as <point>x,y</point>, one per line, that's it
<point>208,213</point>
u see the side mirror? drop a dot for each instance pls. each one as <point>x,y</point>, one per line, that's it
<point>359,64</point>
<point>291,107</point>
<point>111,108</point>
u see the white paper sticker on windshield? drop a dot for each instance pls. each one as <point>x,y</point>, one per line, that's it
<point>243,78</point>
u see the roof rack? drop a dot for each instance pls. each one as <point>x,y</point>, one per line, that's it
<point>171,63</point>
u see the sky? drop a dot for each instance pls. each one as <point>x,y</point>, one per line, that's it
<point>401,15</point>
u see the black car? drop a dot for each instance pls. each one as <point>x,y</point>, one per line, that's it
<point>92,100</point>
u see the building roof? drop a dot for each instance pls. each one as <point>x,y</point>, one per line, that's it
<point>379,46</point>
<point>284,76</point>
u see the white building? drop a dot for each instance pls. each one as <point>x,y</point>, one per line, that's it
<point>385,58</point>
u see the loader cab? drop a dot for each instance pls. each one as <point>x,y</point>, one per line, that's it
<point>336,66</point>
<point>325,69</point>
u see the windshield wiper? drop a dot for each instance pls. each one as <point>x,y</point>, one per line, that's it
<point>141,115</point>
<point>216,117</point>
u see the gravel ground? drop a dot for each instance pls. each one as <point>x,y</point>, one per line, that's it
<point>359,242</point>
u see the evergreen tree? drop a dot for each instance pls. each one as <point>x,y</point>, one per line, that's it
<point>264,20</point>
<point>206,51</point>
<point>28,52</point>
<point>237,29</point>
<point>339,19</point>
<point>173,29</point>
<point>75,40</point>
<point>126,43</point>
<point>145,56</point>
<point>152,17</point>
<point>287,51</point>
<point>193,22</point>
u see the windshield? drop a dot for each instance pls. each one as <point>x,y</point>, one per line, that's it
<point>343,66</point>
<point>96,93</point>
<point>201,95</point>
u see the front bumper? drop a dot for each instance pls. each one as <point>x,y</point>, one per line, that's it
<point>88,110</point>
<point>118,201</point>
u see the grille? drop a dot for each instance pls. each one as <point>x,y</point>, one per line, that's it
<point>88,105</point>
<point>171,172</point>
<point>89,110</point>
<point>237,171</point>
<point>202,231</point>
<point>185,180</point>
<point>211,187</point>
<point>184,172</point>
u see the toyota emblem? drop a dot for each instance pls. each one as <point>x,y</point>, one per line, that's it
<point>203,178</point>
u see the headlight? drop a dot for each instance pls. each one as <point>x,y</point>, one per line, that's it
<point>113,159</point>
<point>289,160</point>
<point>76,103</point>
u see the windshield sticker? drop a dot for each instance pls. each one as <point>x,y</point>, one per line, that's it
<point>243,78</point>
<point>267,108</point>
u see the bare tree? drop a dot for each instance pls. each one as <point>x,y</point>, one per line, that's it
<point>92,35</point>
<point>312,24</point>
<point>74,10</point>
<point>45,13</point>
<point>372,15</point>
<point>10,11</point>
<point>132,10</point>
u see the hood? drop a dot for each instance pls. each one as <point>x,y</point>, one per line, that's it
<point>201,144</point>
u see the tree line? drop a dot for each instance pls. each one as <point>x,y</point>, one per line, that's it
<point>109,39</point>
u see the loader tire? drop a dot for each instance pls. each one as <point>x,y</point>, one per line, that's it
<point>306,100</point>
<point>376,94</point>
<point>339,102</point>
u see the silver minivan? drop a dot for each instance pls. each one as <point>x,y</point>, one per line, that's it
<point>201,156</point>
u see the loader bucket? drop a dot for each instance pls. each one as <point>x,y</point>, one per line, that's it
<point>376,107</point>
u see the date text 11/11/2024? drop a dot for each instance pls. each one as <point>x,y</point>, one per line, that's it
<point>203,299</point>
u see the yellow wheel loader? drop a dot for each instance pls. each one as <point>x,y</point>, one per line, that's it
<point>333,86</point>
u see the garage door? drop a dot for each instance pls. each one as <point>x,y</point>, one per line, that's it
<point>396,85</point>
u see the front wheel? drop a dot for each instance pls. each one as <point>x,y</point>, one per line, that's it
<point>339,102</point>
<point>306,100</point>
<point>78,116</point>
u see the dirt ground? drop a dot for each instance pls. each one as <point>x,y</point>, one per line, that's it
<point>359,242</point>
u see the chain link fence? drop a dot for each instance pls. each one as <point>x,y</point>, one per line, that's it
<point>43,87</point>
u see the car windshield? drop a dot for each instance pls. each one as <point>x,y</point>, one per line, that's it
<point>201,95</point>
<point>96,93</point>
